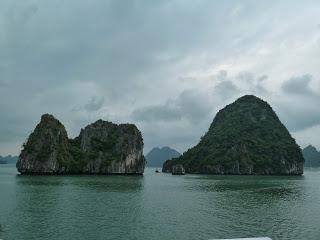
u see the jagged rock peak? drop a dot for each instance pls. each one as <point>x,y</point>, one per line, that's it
<point>46,149</point>
<point>101,148</point>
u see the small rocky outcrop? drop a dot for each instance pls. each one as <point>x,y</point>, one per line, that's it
<point>245,137</point>
<point>101,148</point>
<point>178,169</point>
<point>311,156</point>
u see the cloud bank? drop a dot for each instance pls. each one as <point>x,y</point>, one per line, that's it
<point>167,66</point>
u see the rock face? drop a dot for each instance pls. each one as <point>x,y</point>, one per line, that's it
<point>178,169</point>
<point>101,148</point>
<point>157,156</point>
<point>311,156</point>
<point>104,147</point>
<point>47,148</point>
<point>245,137</point>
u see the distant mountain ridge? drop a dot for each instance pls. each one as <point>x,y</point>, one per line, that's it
<point>8,159</point>
<point>311,156</point>
<point>157,156</point>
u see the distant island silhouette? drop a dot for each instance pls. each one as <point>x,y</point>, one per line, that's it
<point>8,159</point>
<point>311,156</point>
<point>157,156</point>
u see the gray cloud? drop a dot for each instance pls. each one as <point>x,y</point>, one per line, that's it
<point>184,119</point>
<point>226,89</point>
<point>300,111</point>
<point>190,105</point>
<point>158,112</point>
<point>94,104</point>
<point>298,85</point>
<point>150,62</point>
<point>299,117</point>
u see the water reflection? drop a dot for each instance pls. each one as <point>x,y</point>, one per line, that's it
<point>96,183</point>
<point>248,206</point>
<point>277,186</point>
<point>39,181</point>
<point>109,183</point>
<point>69,207</point>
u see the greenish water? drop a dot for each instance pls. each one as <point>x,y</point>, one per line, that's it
<point>158,206</point>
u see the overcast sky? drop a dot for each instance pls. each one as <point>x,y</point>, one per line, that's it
<point>167,66</point>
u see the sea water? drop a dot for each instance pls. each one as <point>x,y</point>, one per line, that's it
<point>159,206</point>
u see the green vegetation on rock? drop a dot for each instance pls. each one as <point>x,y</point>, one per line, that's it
<point>101,148</point>
<point>245,137</point>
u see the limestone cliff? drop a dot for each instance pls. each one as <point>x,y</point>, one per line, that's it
<point>109,148</point>
<point>245,137</point>
<point>46,149</point>
<point>101,148</point>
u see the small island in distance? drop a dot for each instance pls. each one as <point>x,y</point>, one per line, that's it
<point>311,156</point>
<point>245,138</point>
<point>157,156</point>
<point>8,159</point>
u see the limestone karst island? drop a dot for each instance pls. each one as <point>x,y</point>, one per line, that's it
<point>246,137</point>
<point>159,120</point>
<point>100,148</point>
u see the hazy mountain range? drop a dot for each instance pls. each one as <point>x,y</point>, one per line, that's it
<point>8,159</point>
<point>157,156</point>
<point>311,156</point>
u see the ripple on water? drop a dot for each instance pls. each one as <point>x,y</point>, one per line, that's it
<point>158,206</point>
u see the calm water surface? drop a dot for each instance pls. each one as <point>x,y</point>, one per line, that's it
<point>158,206</point>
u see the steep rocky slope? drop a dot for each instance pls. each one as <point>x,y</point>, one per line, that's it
<point>101,148</point>
<point>47,148</point>
<point>245,137</point>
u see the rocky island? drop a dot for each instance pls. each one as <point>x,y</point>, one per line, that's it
<point>157,156</point>
<point>311,156</point>
<point>246,137</point>
<point>101,148</point>
<point>8,159</point>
